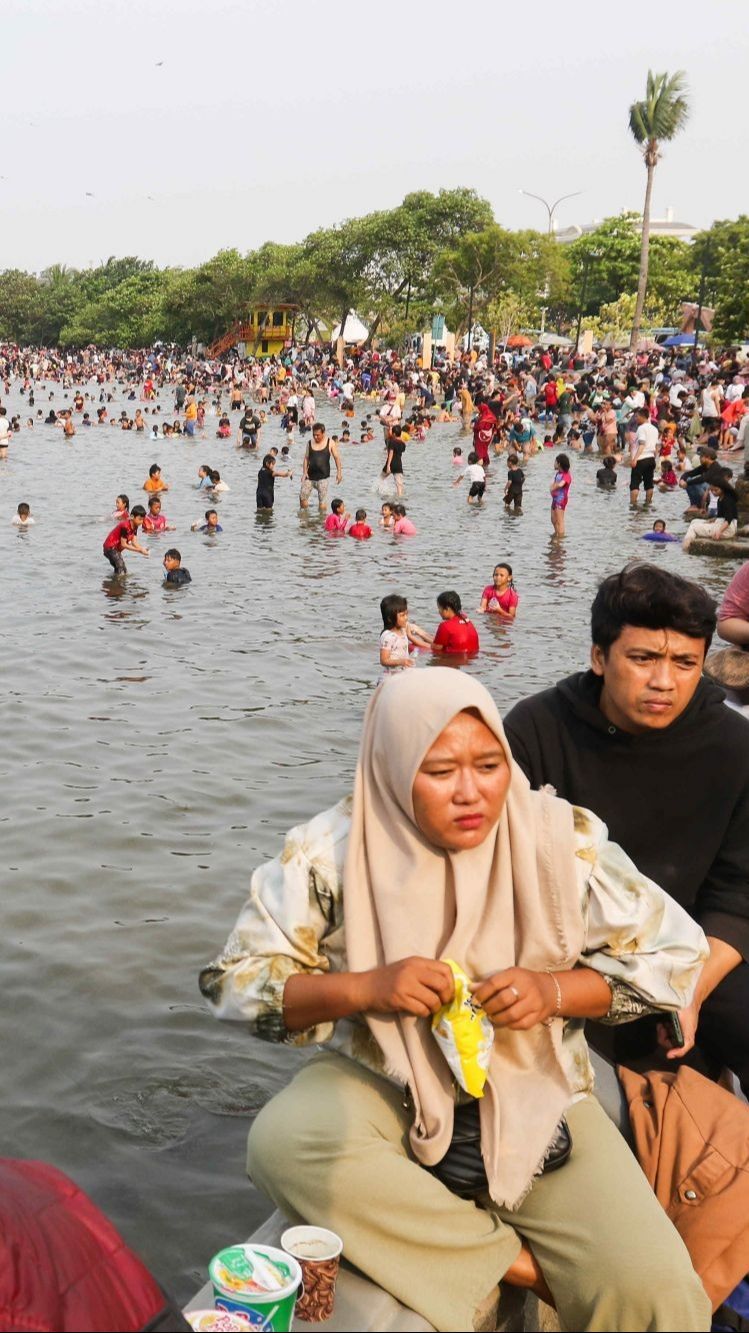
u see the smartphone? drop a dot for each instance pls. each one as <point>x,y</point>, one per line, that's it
<point>675,1030</point>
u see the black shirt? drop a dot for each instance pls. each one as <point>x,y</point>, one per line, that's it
<point>676,800</point>
<point>178,576</point>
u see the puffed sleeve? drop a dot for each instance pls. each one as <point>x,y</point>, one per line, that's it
<point>647,947</point>
<point>286,926</point>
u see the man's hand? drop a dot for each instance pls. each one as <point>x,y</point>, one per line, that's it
<point>418,986</point>
<point>723,958</point>
<point>689,1019</point>
<point>516,998</point>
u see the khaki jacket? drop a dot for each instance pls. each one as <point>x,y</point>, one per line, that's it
<point>692,1142</point>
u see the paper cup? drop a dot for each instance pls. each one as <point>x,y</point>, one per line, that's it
<point>257,1281</point>
<point>318,1253</point>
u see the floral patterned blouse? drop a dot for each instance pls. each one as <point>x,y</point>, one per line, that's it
<point>645,945</point>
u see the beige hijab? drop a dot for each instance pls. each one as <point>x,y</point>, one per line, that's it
<point>512,901</point>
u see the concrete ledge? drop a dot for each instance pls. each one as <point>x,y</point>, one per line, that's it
<point>730,549</point>
<point>361,1307</point>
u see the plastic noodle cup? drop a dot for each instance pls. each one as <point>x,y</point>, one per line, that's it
<point>217,1321</point>
<point>257,1281</point>
<point>318,1253</point>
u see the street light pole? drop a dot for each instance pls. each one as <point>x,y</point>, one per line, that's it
<point>551,208</point>
<point>583,294</point>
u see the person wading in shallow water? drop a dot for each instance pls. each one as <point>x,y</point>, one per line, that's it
<point>316,467</point>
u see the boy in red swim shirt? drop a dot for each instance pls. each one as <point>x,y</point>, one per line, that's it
<point>456,634</point>
<point>123,538</point>
<point>360,529</point>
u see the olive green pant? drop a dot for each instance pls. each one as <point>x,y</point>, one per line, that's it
<point>332,1149</point>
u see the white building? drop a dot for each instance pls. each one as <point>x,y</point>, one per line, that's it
<point>683,231</point>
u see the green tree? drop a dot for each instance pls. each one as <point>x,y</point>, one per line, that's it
<point>475,271</point>
<point>722,254</point>
<point>614,320</point>
<point>19,305</point>
<point>612,253</point>
<point>128,315</point>
<point>652,122</point>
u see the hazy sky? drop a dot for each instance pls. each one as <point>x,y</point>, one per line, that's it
<point>266,120</point>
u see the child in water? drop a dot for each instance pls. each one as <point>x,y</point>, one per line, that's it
<point>606,475</point>
<point>217,485</point>
<point>360,529</point>
<point>560,492</point>
<point>338,520</point>
<point>22,517</point>
<point>457,458</point>
<point>514,485</point>
<point>455,634</point>
<point>500,597</point>
<point>658,533</point>
<point>265,494</point>
<point>668,480</point>
<point>211,524</point>
<point>403,527</point>
<point>155,521</point>
<point>387,517</point>
<point>123,538</point>
<point>154,481</point>
<point>399,635</point>
<point>476,477</point>
<point>174,574</point>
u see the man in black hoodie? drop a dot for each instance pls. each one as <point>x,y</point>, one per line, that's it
<point>647,743</point>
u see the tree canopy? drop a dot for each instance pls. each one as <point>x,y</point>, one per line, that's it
<point>396,267</point>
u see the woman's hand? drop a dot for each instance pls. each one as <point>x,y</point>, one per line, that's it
<point>418,986</point>
<point>516,998</point>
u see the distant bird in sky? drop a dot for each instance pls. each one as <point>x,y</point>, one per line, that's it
<point>89,195</point>
<point>148,196</point>
<point>159,63</point>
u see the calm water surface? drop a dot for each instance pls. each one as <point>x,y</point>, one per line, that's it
<point>158,743</point>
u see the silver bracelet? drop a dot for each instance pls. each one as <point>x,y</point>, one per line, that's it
<point>558,1007</point>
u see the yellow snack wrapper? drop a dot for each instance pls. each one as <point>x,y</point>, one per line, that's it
<point>464,1034</point>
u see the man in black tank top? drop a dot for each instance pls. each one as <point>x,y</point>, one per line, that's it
<point>316,467</point>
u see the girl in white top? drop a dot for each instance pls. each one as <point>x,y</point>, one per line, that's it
<point>398,636</point>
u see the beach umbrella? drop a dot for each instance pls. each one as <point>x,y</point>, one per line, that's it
<point>519,340</point>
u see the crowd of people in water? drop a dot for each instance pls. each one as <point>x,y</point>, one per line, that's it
<point>672,420</point>
<point>560,857</point>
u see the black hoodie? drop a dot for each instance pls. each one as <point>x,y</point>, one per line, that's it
<point>676,800</point>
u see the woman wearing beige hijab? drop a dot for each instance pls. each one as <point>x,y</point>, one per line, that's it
<point>445,852</point>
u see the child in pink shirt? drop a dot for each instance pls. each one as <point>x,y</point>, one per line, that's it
<point>403,526</point>
<point>338,521</point>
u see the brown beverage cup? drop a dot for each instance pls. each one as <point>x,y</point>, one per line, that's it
<point>318,1253</point>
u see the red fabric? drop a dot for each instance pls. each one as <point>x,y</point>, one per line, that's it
<point>360,530</point>
<point>457,635</point>
<point>123,532</point>
<point>62,1264</point>
<point>483,432</point>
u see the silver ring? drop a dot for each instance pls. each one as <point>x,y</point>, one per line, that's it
<point>515,991</point>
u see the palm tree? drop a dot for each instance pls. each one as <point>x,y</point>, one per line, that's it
<point>656,119</point>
